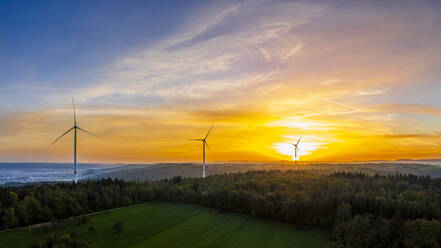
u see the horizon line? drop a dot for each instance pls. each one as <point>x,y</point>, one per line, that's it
<point>231,161</point>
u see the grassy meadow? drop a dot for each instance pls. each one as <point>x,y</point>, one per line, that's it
<point>159,224</point>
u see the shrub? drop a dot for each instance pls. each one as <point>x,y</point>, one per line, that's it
<point>66,241</point>
<point>34,244</point>
<point>83,219</point>
<point>73,235</point>
<point>118,226</point>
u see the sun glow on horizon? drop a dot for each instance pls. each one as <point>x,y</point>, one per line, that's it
<point>307,145</point>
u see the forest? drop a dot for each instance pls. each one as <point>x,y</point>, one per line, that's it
<point>357,210</point>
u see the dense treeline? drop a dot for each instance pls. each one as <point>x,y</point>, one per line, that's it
<point>358,210</point>
<point>20,206</point>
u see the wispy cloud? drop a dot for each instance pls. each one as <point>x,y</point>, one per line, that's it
<point>244,45</point>
<point>371,93</point>
<point>331,82</point>
<point>302,125</point>
<point>423,109</point>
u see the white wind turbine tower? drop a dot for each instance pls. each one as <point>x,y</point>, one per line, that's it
<point>296,149</point>
<point>204,143</point>
<point>74,128</point>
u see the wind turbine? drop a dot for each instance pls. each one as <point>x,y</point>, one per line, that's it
<point>74,128</point>
<point>204,142</point>
<point>296,148</point>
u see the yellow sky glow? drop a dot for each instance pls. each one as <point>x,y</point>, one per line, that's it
<point>357,82</point>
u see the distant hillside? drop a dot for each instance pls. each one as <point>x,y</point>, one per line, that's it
<point>153,172</point>
<point>17,174</point>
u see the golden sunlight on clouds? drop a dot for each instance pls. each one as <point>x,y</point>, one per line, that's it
<point>264,75</point>
<point>143,135</point>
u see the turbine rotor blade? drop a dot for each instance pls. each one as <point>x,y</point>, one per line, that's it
<point>62,135</point>
<point>195,140</point>
<point>75,114</point>
<point>89,133</point>
<point>209,132</point>
<point>299,140</point>
<point>207,146</point>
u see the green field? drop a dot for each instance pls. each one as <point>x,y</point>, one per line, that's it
<point>175,225</point>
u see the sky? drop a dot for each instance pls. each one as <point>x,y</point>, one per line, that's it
<point>357,80</point>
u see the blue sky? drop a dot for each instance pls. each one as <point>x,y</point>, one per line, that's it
<point>53,46</point>
<point>338,71</point>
